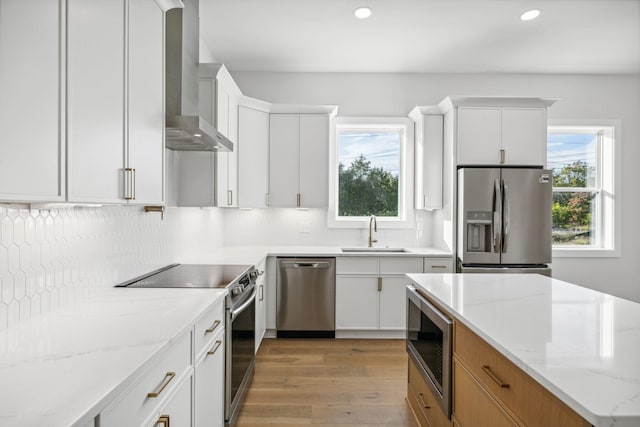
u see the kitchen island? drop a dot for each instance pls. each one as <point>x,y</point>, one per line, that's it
<point>581,345</point>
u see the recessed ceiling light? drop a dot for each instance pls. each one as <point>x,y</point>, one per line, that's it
<point>362,12</point>
<point>197,135</point>
<point>530,14</point>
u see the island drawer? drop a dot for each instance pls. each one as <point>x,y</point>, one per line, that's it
<point>422,400</point>
<point>143,396</point>
<point>472,406</point>
<point>511,386</point>
<point>208,326</point>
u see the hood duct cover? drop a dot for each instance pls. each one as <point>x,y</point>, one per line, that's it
<point>185,129</point>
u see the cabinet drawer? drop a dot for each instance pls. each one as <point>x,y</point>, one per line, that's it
<point>438,265</point>
<point>356,265</point>
<point>472,405</point>
<point>135,405</point>
<point>527,399</point>
<point>397,265</point>
<point>422,400</point>
<point>208,326</point>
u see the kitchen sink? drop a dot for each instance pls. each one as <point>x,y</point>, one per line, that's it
<point>374,250</point>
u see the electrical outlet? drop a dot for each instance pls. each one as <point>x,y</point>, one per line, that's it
<point>304,227</point>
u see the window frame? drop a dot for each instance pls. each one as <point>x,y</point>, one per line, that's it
<point>406,214</point>
<point>607,188</point>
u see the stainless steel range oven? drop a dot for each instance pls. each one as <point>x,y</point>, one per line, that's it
<point>239,280</point>
<point>429,344</point>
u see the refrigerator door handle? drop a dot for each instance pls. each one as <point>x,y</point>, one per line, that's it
<point>497,216</point>
<point>507,217</point>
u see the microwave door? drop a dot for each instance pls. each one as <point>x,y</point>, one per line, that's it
<point>479,215</point>
<point>527,199</point>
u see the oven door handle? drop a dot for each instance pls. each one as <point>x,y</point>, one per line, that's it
<point>244,306</point>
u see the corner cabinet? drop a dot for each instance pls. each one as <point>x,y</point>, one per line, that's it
<point>219,100</point>
<point>499,131</point>
<point>428,157</point>
<point>115,118</point>
<point>299,156</point>
<point>253,153</point>
<point>32,87</point>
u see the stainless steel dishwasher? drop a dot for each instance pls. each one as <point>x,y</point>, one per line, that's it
<point>306,298</point>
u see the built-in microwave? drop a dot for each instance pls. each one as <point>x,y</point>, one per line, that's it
<point>429,344</point>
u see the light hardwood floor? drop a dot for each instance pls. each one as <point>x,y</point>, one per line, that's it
<point>328,382</point>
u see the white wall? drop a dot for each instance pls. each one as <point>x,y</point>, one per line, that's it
<point>53,257</point>
<point>583,97</point>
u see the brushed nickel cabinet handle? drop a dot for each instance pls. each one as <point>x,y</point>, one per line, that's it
<point>213,327</point>
<point>133,184</point>
<point>438,266</point>
<point>165,383</point>
<point>494,377</point>
<point>164,421</point>
<point>215,347</point>
<point>128,191</point>
<point>379,284</point>
<point>298,200</point>
<point>229,197</point>
<point>261,293</point>
<point>502,157</point>
<point>422,402</point>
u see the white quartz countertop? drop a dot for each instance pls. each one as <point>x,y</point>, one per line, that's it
<point>254,254</point>
<point>64,367</point>
<point>582,345</point>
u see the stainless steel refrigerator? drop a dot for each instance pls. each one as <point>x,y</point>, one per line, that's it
<point>504,220</point>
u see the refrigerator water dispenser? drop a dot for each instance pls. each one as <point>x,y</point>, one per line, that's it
<point>479,231</point>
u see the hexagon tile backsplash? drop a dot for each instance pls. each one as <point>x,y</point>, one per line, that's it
<point>52,257</point>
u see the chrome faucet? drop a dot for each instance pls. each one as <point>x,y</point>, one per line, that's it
<point>372,221</point>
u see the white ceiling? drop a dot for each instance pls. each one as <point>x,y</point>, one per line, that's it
<point>424,36</point>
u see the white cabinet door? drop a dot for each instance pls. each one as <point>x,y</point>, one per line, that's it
<point>428,170</point>
<point>95,100</point>
<point>224,161</point>
<point>253,141</point>
<point>209,386</point>
<point>356,303</point>
<point>524,136</point>
<point>314,160</point>
<point>479,135</point>
<point>284,136</point>
<point>393,303</point>
<point>32,162</point>
<point>145,140</point>
<point>177,410</point>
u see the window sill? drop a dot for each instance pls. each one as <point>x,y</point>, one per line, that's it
<point>567,252</point>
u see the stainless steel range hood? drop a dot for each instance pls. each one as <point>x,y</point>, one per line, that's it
<point>185,129</point>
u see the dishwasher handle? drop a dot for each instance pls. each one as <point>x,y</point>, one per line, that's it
<point>305,264</point>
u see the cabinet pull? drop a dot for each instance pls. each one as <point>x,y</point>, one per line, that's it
<point>424,200</point>
<point>379,284</point>
<point>165,383</point>
<point>215,347</point>
<point>128,184</point>
<point>164,421</point>
<point>494,377</point>
<point>229,197</point>
<point>298,199</point>
<point>502,156</point>
<point>133,184</point>
<point>261,292</point>
<point>422,402</point>
<point>438,266</point>
<point>213,327</point>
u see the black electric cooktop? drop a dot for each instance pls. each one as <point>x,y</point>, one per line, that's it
<point>190,276</point>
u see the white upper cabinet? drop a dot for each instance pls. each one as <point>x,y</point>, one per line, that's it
<point>253,153</point>
<point>219,101</point>
<point>299,157</point>
<point>428,157</point>
<point>114,101</point>
<point>495,131</point>
<point>32,162</point>
<point>146,114</point>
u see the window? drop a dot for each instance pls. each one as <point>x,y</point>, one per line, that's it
<point>369,171</point>
<point>584,197</point>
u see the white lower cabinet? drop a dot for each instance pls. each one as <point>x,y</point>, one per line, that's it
<point>181,386</point>
<point>371,292</point>
<point>208,393</point>
<point>261,303</point>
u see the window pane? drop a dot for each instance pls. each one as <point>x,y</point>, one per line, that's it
<point>574,218</point>
<point>368,172</point>
<point>572,156</point>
